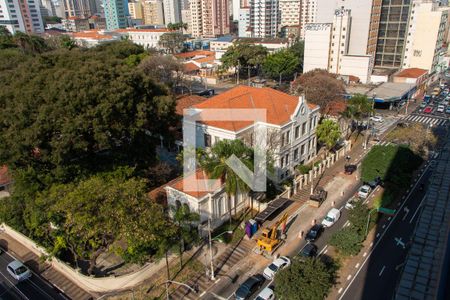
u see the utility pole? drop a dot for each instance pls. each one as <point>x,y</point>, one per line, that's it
<point>210,250</point>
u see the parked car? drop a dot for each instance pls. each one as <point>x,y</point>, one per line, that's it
<point>206,93</point>
<point>440,108</point>
<point>377,119</point>
<point>445,102</point>
<point>364,191</point>
<point>375,182</point>
<point>447,110</point>
<point>428,110</point>
<point>349,169</point>
<point>249,287</point>
<point>309,250</point>
<point>314,233</point>
<point>423,104</point>
<point>351,203</point>
<point>332,216</point>
<point>18,270</point>
<point>266,294</point>
<point>278,264</point>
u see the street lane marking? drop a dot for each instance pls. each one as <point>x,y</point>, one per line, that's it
<point>378,234</point>
<point>323,249</point>
<point>349,276</point>
<point>417,210</point>
<point>378,242</point>
<point>384,225</point>
<point>382,270</point>
<point>371,244</point>
<point>389,218</point>
<point>365,253</point>
<point>204,292</point>
<point>357,266</point>
<point>340,290</point>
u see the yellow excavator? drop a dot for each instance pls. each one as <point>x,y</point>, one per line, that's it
<point>269,241</point>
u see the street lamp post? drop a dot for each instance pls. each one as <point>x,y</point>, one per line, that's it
<point>368,219</point>
<point>210,249</point>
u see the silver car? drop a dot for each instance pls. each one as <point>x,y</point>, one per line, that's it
<point>18,270</point>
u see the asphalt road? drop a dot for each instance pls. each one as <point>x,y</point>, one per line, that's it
<point>33,288</point>
<point>379,272</point>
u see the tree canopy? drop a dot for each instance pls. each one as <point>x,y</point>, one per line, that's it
<point>281,63</point>
<point>305,279</point>
<point>328,133</point>
<point>319,87</point>
<point>172,41</point>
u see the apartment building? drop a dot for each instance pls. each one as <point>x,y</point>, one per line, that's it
<point>290,12</point>
<point>209,18</point>
<point>24,16</point>
<point>135,8</point>
<point>75,24</point>
<point>116,14</point>
<point>244,22</point>
<point>424,46</point>
<point>153,12</point>
<point>11,16</point>
<point>172,11</point>
<point>265,18</point>
<point>78,8</point>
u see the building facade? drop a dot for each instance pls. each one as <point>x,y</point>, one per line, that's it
<point>75,24</point>
<point>153,12</point>
<point>116,14</point>
<point>11,17</point>
<point>78,8</point>
<point>244,22</point>
<point>172,11</point>
<point>24,16</point>
<point>426,36</point>
<point>135,9</point>
<point>209,18</point>
<point>265,18</point>
<point>317,46</point>
<point>147,38</point>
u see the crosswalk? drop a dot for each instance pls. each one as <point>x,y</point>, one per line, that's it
<point>430,120</point>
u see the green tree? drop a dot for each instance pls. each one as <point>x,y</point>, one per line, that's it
<point>172,41</point>
<point>306,279</point>
<point>244,56</point>
<point>216,167</point>
<point>328,133</point>
<point>358,217</point>
<point>347,241</point>
<point>29,43</point>
<point>319,87</point>
<point>186,224</point>
<point>281,63</point>
<point>358,107</point>
<point>80,108</point>
<point>163,69</point>
<point>6,38</point>
<point>298,48</point>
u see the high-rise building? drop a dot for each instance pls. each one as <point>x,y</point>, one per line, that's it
<point>153,12</point>
<point>78,8</point>
<point>47,8</point>
<point>290,12</point>
<point>209,18</point>
<point>135,9</point>
<point>172,11</point>
<point>264,18</point>
<point>392,32</point>
<point>22,16</point>
<point>244,22</point>
<point>116,14</point>
<point>426,36</point>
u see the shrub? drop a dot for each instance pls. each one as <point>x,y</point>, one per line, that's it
<point>303,169</point>
<point>347,241</point>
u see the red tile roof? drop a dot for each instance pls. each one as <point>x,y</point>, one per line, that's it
<point>194,53</point>
<point>189,67</point>
<point>178,184</point>
<point>205,59</point>
<point>5,178</point>
<point>91,34</point>
<point>142,30</point>
<point>187,101</point>
<point>412,73</point>
<point>280,106</point>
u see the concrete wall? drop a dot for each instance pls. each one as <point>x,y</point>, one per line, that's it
<point>356,66</point>
<point>317,44</point>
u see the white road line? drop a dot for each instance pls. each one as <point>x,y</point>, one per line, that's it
<point>378,234</point>
<point>357,266</point>
<point>384,225</point>
<point>371,244</point>
<point>14,287</point>
<point>323,249</point>
<point>340,290</point>
<point>349,276</point>
<point>417,210</point>
<point>378,242</point>
<point>389,218</point>
<point>382,270</point>
<point>202,294</point>
<point>365,253</point>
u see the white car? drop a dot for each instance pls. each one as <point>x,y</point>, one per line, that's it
<point>377,119</point>
<point>18,270</point>
<point>332,216</point>
<point>440,108</point>
<point>278,264</point>
<point>266,294</point>
<point>364,191</point>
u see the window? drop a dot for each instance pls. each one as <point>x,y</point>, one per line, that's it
<point>303,128</point>
<point>207,140</point>
<point>282,162</point>
<point>297,131</point>
<point>302,149</point>
<point>295,154</point>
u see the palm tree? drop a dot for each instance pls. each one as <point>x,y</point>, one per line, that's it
<point>358,107</point>
<point>216,167</point>
<point>184,220</point>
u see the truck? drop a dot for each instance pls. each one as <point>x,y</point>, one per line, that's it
<point>318,197</point>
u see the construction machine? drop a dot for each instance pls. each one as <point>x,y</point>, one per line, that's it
<point>269,240</point>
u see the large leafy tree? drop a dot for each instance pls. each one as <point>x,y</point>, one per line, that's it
<point>358,107</point>
<point>162,69</point>
<point>172,41</point>
<point>216,167</point>
<point>79,107</point>
<point>281,63</point>
<point>243,56</point>
<point>328,133</point>
<point>298,48</point>
<point>358,217</point>
<point>185,223</point>
<point>306,279</point>
<point>319,87</point>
